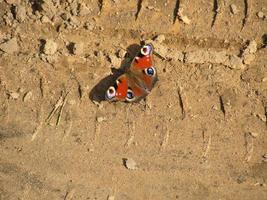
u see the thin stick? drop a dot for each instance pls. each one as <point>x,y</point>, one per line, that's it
<point>206,147</point>
<point>61,109</point>
<point>56,106</point>
<point>165,139</point>
<point>40,125</point>
<point>249,146</point>
<point>181,102</point>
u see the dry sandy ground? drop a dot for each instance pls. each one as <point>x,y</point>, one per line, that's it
<point>200,134</point>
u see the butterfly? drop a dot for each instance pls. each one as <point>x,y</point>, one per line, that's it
<point>138,80</point>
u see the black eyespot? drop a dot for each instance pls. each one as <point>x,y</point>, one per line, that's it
<point>150,71</point>
<point>146,50</point>
<point>130,94</point>
<point>110,93</point>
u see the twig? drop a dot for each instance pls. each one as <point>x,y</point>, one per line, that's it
<point>69,194</point>
<point>181,102</point>
<point>207,146</point>
<point>249,146</point>
<point>222,105</point>
<point>165,139</point>
<point>61,108</point>
<point>40,125</point>
<point>56,107</point>
<point>131,135</point>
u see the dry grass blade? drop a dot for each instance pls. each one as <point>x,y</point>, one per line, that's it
<point>249,146</point>
<point>207,144</point>
<point>61,108</point>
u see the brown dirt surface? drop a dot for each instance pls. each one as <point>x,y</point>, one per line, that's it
<point>200,134</point>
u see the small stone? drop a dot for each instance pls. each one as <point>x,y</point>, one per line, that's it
<point>247,59</point>
<point>27,96</point>
<point>10,46</point>
<point>254,134</point>
<point>20,13</point>
<point>130,164</point>
<point>235,62</point>
<point>83,10</point>
<point>100,119</point>
<point>111,197</point>
<point>260,15</point>
<point>122,53</point>
<point>264,158</point>
<point>78,48</point>
<point>183,18</point>
<point>50,47</point>
<point>114,60</point>
<point>251,48</point>
<point>14,95</point>
<point>233,9</point>
<point>160,38</point>
<point>45,19</point>
<point>88,26</point>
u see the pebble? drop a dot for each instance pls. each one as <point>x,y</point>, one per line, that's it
<point>160,38</point>
<point>100,119</point>
<point>50,47</point>
<point>83,10</point>
<point>27,96</point>
<point>260,15</point>
<point>122,53</point>
<point>251,48</point>
<point>88,26</point>
<point>14,95</point>
<point>114,60</point>
<point>20,13</point>
<point>45,19</point>
<point>233,9</point>
<point>248,59</point>
<point>78,48</point>
<point>254,134</point>
<point>130,164</point>
<point>111,197</point>
<point>235,62</point>
<point>248,54</point>
<point>183,18</point>
<point>10,47</point>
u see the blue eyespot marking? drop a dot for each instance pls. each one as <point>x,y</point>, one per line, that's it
<point>130,94</point>
<point>150,71</point>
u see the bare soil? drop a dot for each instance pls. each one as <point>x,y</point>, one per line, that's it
<point>200,134</point>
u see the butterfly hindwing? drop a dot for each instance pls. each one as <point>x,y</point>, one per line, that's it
<point>138,81</point>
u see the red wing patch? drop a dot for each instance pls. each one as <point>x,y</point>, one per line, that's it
<point>122,85</point>
<point>142,62</point>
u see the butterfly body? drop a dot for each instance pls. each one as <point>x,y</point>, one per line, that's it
<point>138,80</point>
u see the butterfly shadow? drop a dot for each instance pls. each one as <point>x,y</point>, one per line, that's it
<point>98,92</point>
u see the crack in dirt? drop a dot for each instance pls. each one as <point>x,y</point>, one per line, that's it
<point>176,11</point>
<point>139,7</point>
<point>215,10</point>
<point>246,13</point>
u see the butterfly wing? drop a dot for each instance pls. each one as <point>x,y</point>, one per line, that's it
<point>138,81</point>
<point>125,89</point>
<point>143,68</point>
